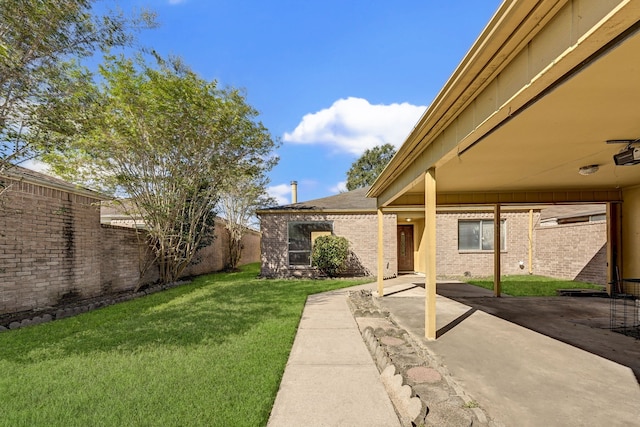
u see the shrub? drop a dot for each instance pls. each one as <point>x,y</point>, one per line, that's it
<point>330,254</point>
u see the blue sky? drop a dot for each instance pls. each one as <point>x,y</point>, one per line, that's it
<point>329,77</point>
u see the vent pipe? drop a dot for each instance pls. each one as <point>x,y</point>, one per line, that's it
<point>294,191</point>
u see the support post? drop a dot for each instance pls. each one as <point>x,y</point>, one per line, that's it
<point>380,253</point>
<point>613,248</point>
<point>496,251</point>
<point>430,270</point>
<point>530,241</point>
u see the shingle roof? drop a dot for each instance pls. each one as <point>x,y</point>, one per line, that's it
<point>20,173</point>
<point>355,200</point>
<point>572,211</point>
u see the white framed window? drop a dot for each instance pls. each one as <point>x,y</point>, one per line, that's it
<point>301,238</point>
<point>477,235</point>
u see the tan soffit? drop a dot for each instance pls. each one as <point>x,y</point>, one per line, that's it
<point>537,140</point>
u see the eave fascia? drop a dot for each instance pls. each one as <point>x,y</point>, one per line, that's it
<point>69,188</point>
<point>513,25</point>
<point>316,211</point>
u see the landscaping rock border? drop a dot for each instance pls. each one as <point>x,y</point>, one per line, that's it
<point>420,388</point>
<point>35,317</point>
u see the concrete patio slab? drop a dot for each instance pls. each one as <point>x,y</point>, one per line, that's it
<point>520,376</point>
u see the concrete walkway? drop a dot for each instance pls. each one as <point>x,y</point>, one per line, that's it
<point>331,378</point>
<point>517,376</point>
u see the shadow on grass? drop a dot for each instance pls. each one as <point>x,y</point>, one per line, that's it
<point>212,310</point>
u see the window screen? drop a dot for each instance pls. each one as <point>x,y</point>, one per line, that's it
<point>301,236</point>
<point>477,235</point>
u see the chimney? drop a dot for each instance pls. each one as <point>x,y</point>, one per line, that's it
<point>294,191</point>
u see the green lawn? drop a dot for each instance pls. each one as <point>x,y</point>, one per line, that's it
<point>210,353</point>
<point>531,286</point>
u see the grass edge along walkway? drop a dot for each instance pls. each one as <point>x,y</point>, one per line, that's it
<point>531,285</point>
<point>209,353</point>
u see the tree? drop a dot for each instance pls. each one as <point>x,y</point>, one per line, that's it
<point>365,170</point>
<point>238,205</point>
<point>39,41</point>
<point>171,142</point>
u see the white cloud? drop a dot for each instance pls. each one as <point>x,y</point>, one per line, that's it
<point>340,187</point>
<point>36,165</point>
<point>354,125</point>
<point>281,192</point>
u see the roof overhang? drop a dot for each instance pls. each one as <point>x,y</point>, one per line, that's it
<point>21,174</point>
<point>315,211</point>
<point>538,95</point>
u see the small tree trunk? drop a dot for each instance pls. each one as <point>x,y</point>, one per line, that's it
<point>235,252</point>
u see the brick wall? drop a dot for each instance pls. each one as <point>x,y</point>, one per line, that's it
<point>361,230</point>
<point>215,256</point>
<point>48,246</point>
<point>572,251</point>
<point>53,248</point>
<point>575,251</point>
<point>120,252</point>
<point>450,262</point>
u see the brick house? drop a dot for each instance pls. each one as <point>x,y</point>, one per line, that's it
<point>565,242</point>
<point>288,233</point>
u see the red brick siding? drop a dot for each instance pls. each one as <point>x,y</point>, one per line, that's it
<point>450,262</point>
<point>572,251</point>
<point>47,246</point>
<point>120,253</point>
<point>215,256</point>
<point>575,251</point>
<point>360,229</point>
<point>52,244</point>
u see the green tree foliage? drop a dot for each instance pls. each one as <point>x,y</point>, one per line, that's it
<point>238,206</point>
<point>39,41</point>
<point>330,254</point>
<point>365,170</point>
<point>171,142</point>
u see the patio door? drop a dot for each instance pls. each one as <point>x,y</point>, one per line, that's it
<point>405,248</point>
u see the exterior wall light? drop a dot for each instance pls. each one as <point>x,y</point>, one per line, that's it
<point>588,170</point>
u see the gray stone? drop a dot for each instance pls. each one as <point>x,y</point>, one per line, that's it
<point>14,325</point>
<point>431,394</point>
<point>387,340</point>
<point>445,414</point>
<point>47,318</point>
<point>421,374</point>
